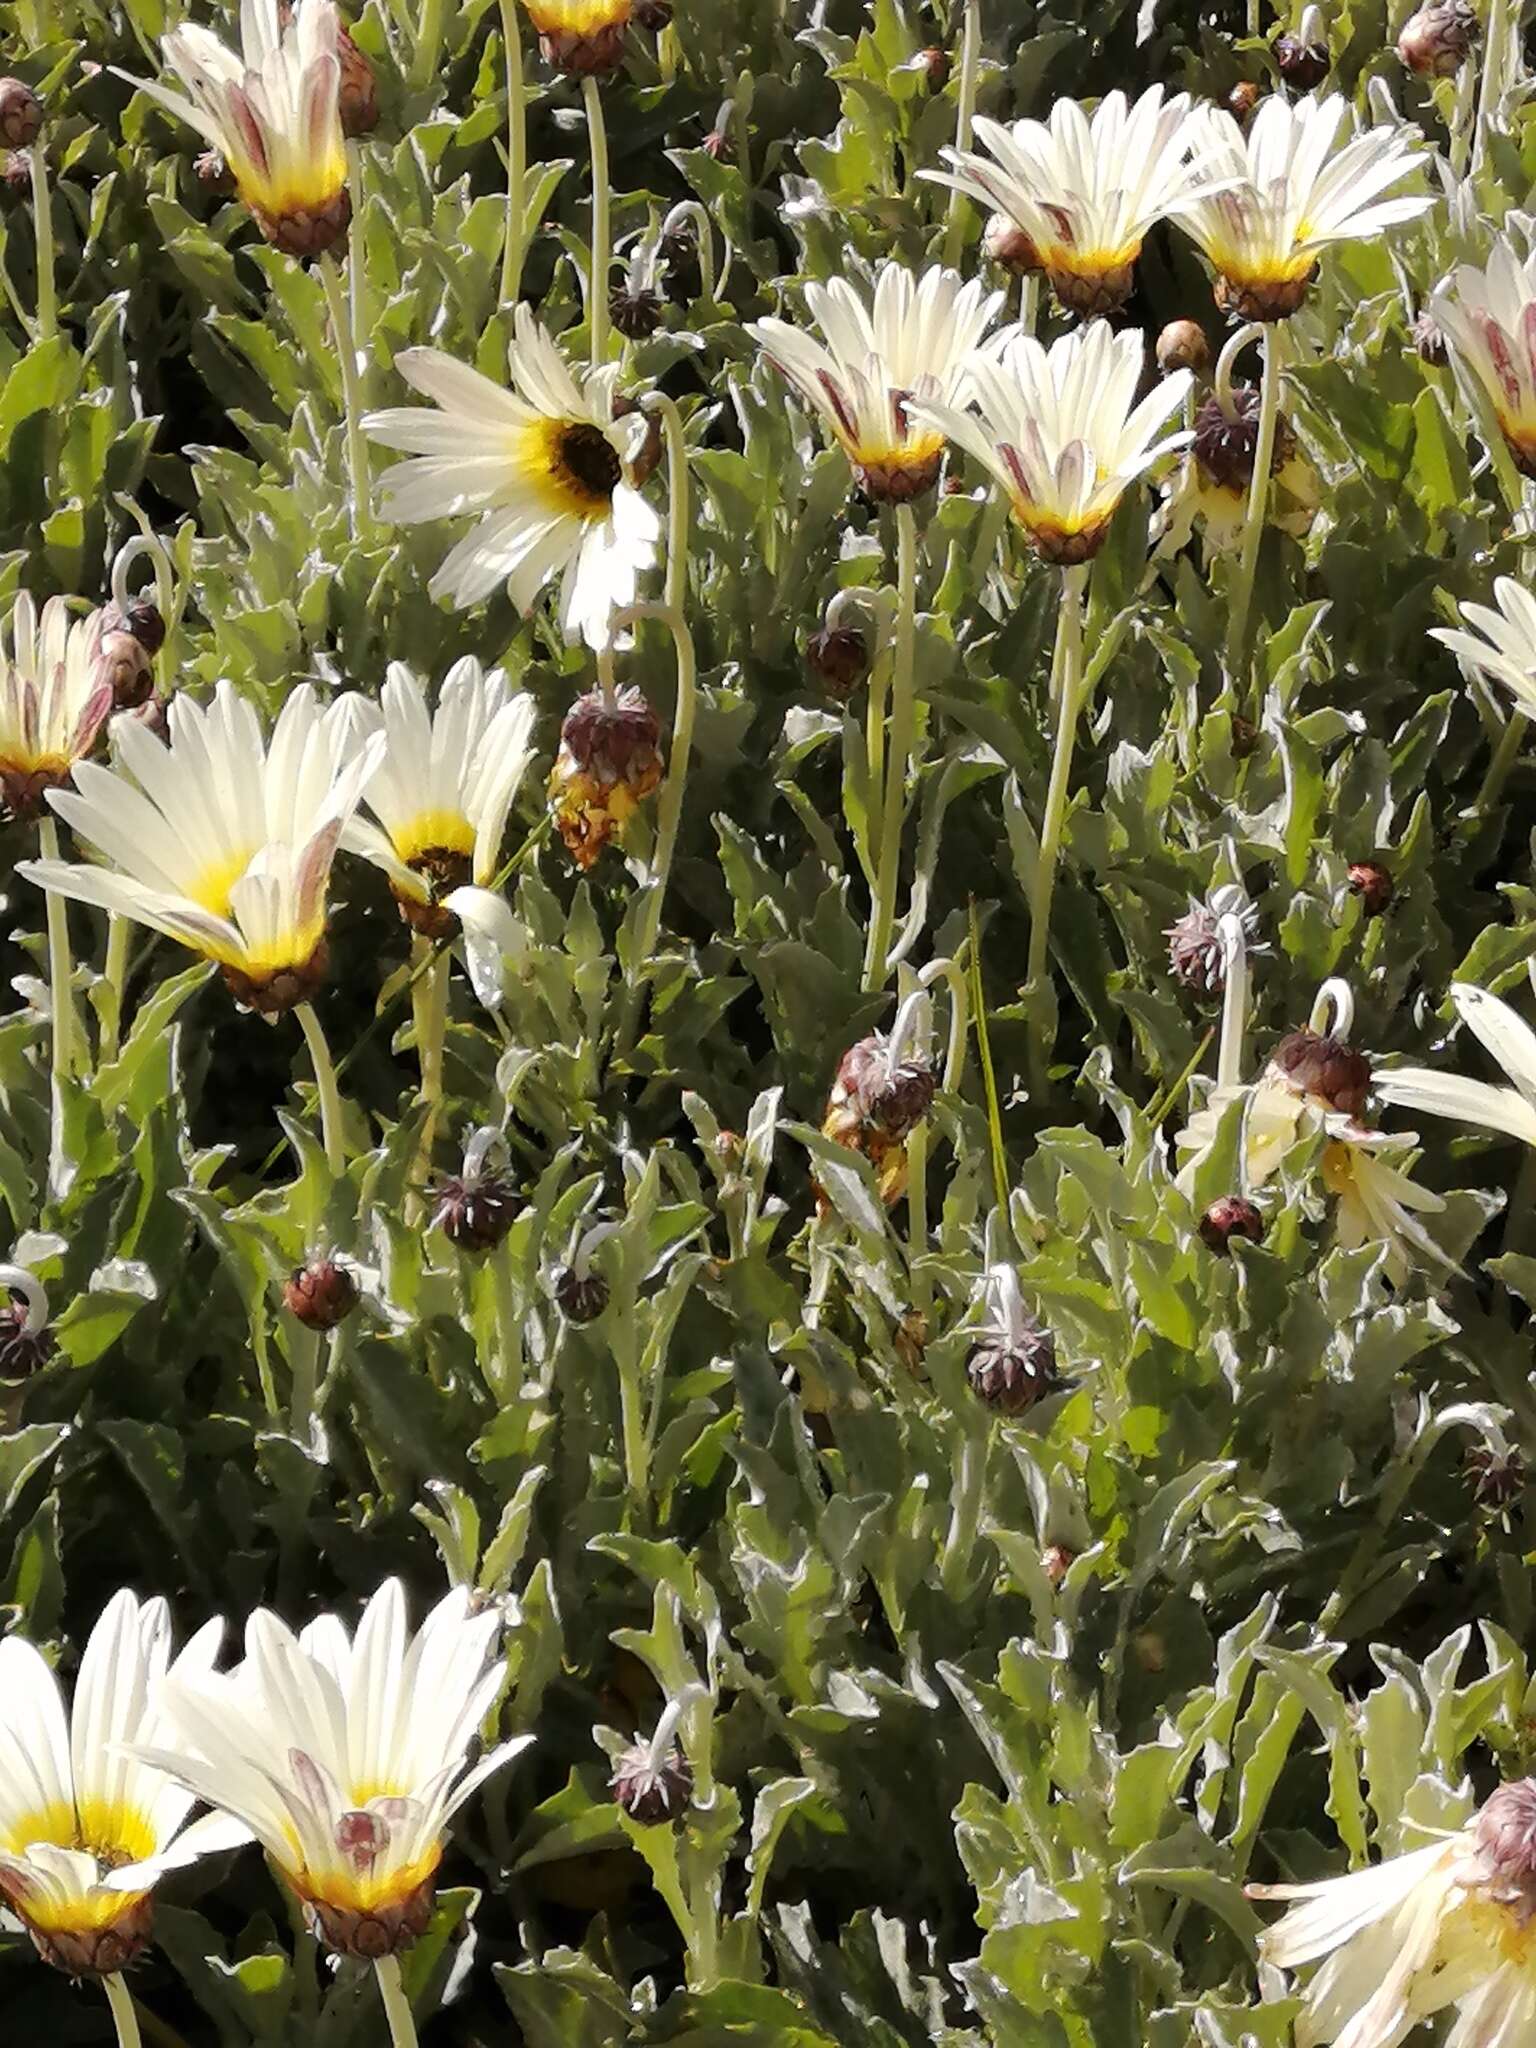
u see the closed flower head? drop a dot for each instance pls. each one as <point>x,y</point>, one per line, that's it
<point>347,1756</point>
<point>1488,318</point>
<point>54,702</point>
<point>1284,193</point>
<point>583,37</point>
<point>1083,190</point>
<point>273,113</point>
<point>220,838</point>
<point>608,764</point>
<point>1061,431</point>
<point>543,468</point>
<point>880,361</point>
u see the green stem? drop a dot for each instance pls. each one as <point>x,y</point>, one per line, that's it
<point>1069,665</point>
<point>637,1449</point>
<point>1504,758</point>
<point>988,1075</point>
<point>120,1998</point>
<point>965,1516</point>
<point>1494,41</point>
<point>429,47</point>
<point>429,1005</point>
<point>42,210</point>
<point>517,156</point>
<point>357,267</point>
<point>61,972</point>
<point>397,2007</point>
<point>1258,505</point>
<point>892,805</point>
<point>917,1212</point>
<point>346,355</point>
<point>306,1372</point>
<point>509,1361</point>
<point>970,65</point>
<point>325,1086</point>
<point>114,976</point>
<point>602,222</point>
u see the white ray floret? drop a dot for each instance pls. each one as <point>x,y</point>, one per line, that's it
<point>1502,1031</point>
<point>1499,640</point>
<point>1488,317</point>
<point>52,704</point>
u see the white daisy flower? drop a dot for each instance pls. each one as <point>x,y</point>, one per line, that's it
<point>1486,316</point>
<point>1510,1112</point>
<point>1061,431</point>
<point>543,467</point>
<point>883,357</point>
<point>444,787</point>
<point>1282,194</point>
<point>54,702</point>
<point>347,1756</point>
<point>1448,1925</point>
<point>1083,190</point>
<point>86,1831</point>
<point>222,839</point>
<point>1506,652</point>
<point>272,110</point>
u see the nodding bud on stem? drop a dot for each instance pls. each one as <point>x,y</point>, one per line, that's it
<point>1429,341</point>
<point>1005,242</point>
<point>1228,1217</point>
<point>1182,345</point>
<point>21,114</point>
<point>1011,1370</point>
<point>123,666</point>
<point>1373,884</point>
<point>934,64</point>
<point>139,617</point>
<point>839,656</point>
<point>652,1789</point>
<point>1496,1474</point>
<point>1301,58</point>
<point>1439,38</point>
<point>26,1342</point>
<point>1226,443</point>
<point>1324,1067</point>
<point>582,1296</point>
<point>321,1294</point>
<point>608,764</point>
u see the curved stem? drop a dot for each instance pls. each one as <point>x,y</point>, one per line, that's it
<point>903,721</point>
<point>61,972</point>
<point>1258,505</point>
<point>970,65</point>
<point>115,975</point>
<point>397,2007</point>
<point>42,210</point>
<point>1069,645</point>
<point>325,1086</point>
<point>120,1998</point>
<point>602,222</point>
<point>517,156</point>
<point>346,355</point>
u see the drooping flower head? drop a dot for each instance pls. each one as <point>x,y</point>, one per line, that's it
<point>584,37</point>
<point>884,1087</point>
<point>1285,193</point>
<point>544,467</point>
<point>273,113</point>
<point>54,700</point>
<point>608,764</point>
<point>347,1756</point>
<point>1083,190</point>
<point>1500,1030</point>
<point>1447,1925</point>
<point>1060,430</point>
<point>221,838</point>
<point>881,358</point>
<point>1488,318</point>
<point>86,1830</point>
<point>444,787</point>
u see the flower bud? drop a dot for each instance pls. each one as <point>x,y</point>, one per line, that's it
<point>1301,62</point>
<point>124,668</point>
<point>934,62</point>
<point>475,1211</point>
<point>1429,340</point>
<point>634,311</point>
<point>608,764</point>
<point>1182,346</point>
<point>1497,1476</point>
<point>717,145</point>
<point>21,114</point>
<point>24,1349</point>
<point>138,617</point>
<point>839,656</point>
<point>1197,957</point>
<point>653,15</point>
<point>1056,1561</point>
<point>1005,242</point>
<point>891,1098</point>
<point>1243,98</point>
<point>582,1296</point>
<point>1438,39</point>
<point>1228,1217</point>
<point>16,175</point>
<point>1226,444</point>
<point>1373,884</point>
<point>321,1294</point>
<point>650,1793</point>
<point>1325,1068</point>
<point>1012,1373</point>
<point>1504,1835</point>
<point>910,1338</point>
<point>1245,736</point>
<point>357,101</point>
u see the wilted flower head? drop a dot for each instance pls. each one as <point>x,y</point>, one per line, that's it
<point>475,1208</point>
<point>346,1756</point>
<point>86,1830</point>
<point>882,360</point>
<point>1197,945</point>
<point>608,764</point>
<point>584,37</point>
<point>1503,1032</point>
<point>883,1089</point>
<point>1438,38</point>
<point>54,702</point>
<point>444,787</point>
<point>273,112</point>
<point>26,1341</point>
<point>1012,1361</point>
<point>543,468</point>
<point>1487,319</point>
<point>1447,1925</point>
<point>1084,189</point>
<point>220,838</point>
<point>1286,194</point>
<point>1061,431</point>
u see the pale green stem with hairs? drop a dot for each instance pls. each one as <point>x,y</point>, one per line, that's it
<point>114,974</point>
<point>892,804</point>
<point>517,156</point>
<point>42,209</point>
<point>602,222</point>
<point>397,2007</point>
<point>126,2020</point>
<point>346,355</point>
<point>61,967</point>
<point>1494,45</point>
<point>325,1086</point>
<point>1069,667</point>
<point>429,1005</point>
<point>1258,506</point>
<point>970,65</point>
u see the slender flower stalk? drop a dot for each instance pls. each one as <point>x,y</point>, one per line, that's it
<point>42,214</point>
<point>1258,507</point>
<point>61,968</point>
<point>326,1087</point>
<point>965,115</point>
<point>344,341</point>
<point>397,2007</point>
<point>517,157</point>
<point>126,2020</point>
<point>1069,661</point>
<point>602,222</point>
<point>892,799</point>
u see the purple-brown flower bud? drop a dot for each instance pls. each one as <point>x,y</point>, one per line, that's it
<point>717,145</point>
<point>24,1350</point>
<point>893,1098</point>
<point>1429,340</point>
<point>934,63</point>
<point>1004,242</point>
<point>1012,1373</point>
<point>1056,1560</point>
<point>840,657</point>
<point>1245,736</point>
<point>321,1294</point>
<point>1438,39</point>
<point>1228,1217</point>
<point>124,668</point>
<point>1504,1834</point>
<point>139,617</point>
<point>1497,1476</point>
<point>1182,345</point>
<point>1196,955</point>
<point>475,1212</point>
<point>653,15</point>
<point>1303,64</point>
<point>1325,1068</point>
<point>1226,444</point>
<point>651,1793</point>
<point>210,169</point>
<point>582,1296</point>
<point>1243,98</point>
<point>21,114</point>
<point>609,763</point>
<point>634,310</point>
<point>1373,884</point>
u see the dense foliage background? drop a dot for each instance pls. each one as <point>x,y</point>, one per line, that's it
<point>998,1715</point>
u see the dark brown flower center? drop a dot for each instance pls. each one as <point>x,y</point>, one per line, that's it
<point>590,460</point>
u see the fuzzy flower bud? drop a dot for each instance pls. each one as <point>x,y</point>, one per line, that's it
<point>1012,1372</point>
<point>1231,1216</point>
<point>582,1296</point>
<point>609,763</point>
<point>880,1095</point>
<point>1504,1834</point>
<point>839,656</point>
<point>1438,39</point>
<point>1373,884</point>
<point>1327,1069</point>
<point>1182,346</point>
<point>21,114</point>
<point>321,1294</point>
<point>651,1792</point>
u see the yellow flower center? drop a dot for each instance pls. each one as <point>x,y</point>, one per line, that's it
<point>571,464</point>
<point>211,889</point>
<point>578,17</point>
<point>421,840</point>
<point>114,1834</point>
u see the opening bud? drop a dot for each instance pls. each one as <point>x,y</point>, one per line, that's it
<point>651,1790</point>
<point>21,114</point>
<point>1326,1068</point>
<point>1231,1216</point>
<point>321,1294</point>
<point>1438,39</point>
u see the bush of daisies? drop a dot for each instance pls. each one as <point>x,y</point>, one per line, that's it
<point>768,1103</point>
